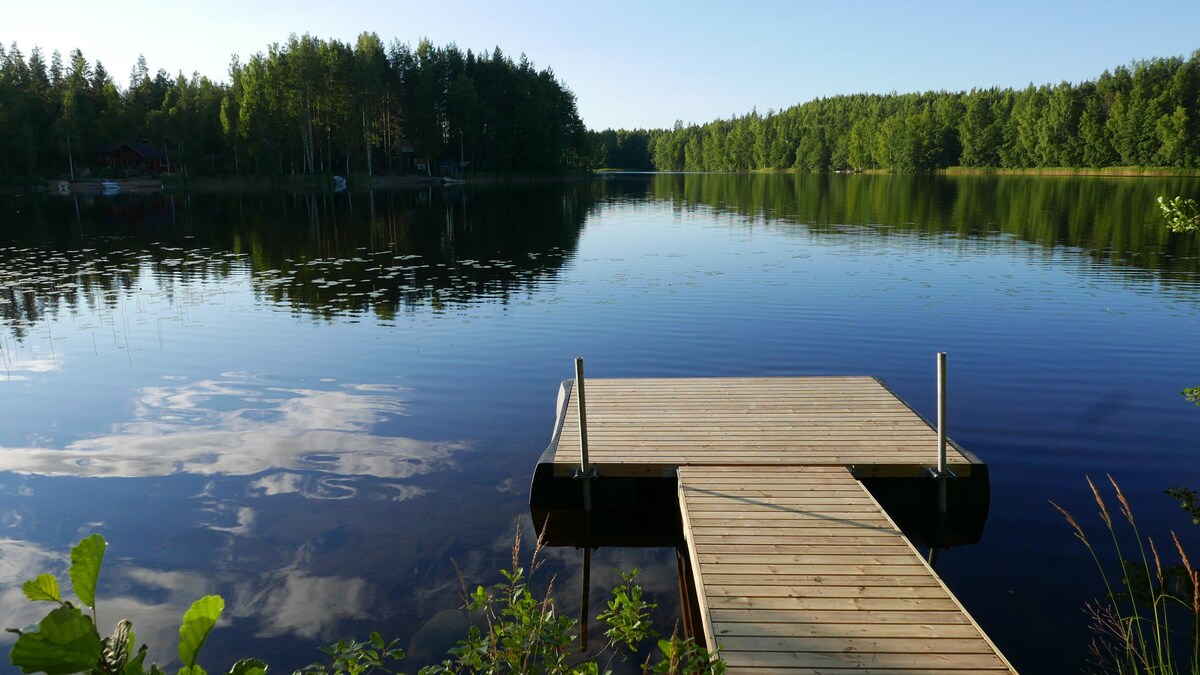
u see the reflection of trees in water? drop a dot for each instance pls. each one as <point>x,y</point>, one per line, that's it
<point>1116,220</point>
<point>322,254</point>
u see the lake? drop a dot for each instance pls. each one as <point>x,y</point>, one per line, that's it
<point>319,406</point>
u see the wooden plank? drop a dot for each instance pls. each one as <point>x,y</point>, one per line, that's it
<point>824,662</point>
<point>817,580</point>
<point>805,619</point>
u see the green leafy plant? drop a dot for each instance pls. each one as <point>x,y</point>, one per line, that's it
<point>66,640</point>
<point>1183,215</point>
<point>1132,625</point>
<point>518,631</point>
<point>358,658</point>
<point>685,657</point>
<point>1187,501</point>
<point>628,614</point>
<point>1192,394</point>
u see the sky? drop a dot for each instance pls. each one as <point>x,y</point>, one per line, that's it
<point>648,63</point>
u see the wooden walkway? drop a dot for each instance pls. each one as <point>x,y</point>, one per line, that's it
<point>796,567</point>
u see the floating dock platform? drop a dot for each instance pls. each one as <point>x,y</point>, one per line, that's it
<point>770,489</point>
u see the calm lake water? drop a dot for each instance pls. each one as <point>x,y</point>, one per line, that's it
<point>318,405</point>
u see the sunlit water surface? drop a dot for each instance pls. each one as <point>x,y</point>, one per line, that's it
<point>318,406</point>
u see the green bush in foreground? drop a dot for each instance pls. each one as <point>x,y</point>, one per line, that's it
<point>518,633</point>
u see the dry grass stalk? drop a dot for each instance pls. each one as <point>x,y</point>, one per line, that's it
<point>1125,510</point>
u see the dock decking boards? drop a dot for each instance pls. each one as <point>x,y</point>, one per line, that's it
<point>642,427</point>
<point>798,569</point>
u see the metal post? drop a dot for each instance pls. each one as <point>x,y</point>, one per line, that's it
<point>585,476</point>
<point>584,470</point>
<point>942,474</point>
<point>941,412</point>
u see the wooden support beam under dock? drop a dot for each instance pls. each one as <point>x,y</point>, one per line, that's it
<point>794,565</point>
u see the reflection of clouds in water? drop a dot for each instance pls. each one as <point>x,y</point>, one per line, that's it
<point>323,487</point>
<point>234,428</point>
<point>15,368</point>
<point>21,560</point>
<point>289,601</point>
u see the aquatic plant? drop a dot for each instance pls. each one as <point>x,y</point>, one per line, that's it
<point>1136,626</point>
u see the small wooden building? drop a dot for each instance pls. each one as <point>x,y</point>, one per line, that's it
<point>134,158</point>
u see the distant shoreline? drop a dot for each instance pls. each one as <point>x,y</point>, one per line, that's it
<point>217,184</point>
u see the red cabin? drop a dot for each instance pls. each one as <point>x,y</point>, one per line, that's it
<point>134,158</point>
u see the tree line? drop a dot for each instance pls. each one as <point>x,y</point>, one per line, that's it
<point>307,106</point>
<point>1146,114</point>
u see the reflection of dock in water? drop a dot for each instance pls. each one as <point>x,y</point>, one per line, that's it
<point>794,505</point>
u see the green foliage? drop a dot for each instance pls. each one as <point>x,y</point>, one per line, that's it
<point>86,558</point>
<point>1137,116</point>
<point>1192,394</point>
<point>198,621</point>
<point>518,632</point>
<point>306,106</point>
<point>1183,215</point>
<point>521,634</point>
<point>44,588</point>
<point>628,614</point>
<point>358,658</point>
<point>1187,501</point>
<point>685,657</point>
<point>67,641</point>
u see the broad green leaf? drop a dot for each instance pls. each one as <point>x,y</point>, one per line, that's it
<point>43,588</point>
<point>65,642</point>
<point>249,667</point>
<point>134,666</point>
<point>192,670</point>
<point>197,622</point>
<point>85,567</point>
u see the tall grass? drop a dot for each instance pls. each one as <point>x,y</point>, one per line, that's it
<point>1136,626</point>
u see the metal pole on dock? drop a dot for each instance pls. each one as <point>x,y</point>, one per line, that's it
<point>941,412</point>
<point>942,475</point>
<point>585,476</point>
<point>583,444</point>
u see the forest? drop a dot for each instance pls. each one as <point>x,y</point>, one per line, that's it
<point>314,106</point>
<point>1143,115</point>
<point>304,107</point>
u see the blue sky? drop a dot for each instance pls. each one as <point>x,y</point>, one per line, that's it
<point>645,63</point>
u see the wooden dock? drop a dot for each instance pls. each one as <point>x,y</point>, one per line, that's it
<point>792,565</point>
<point>798,569</point>
<point>646,427</point>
